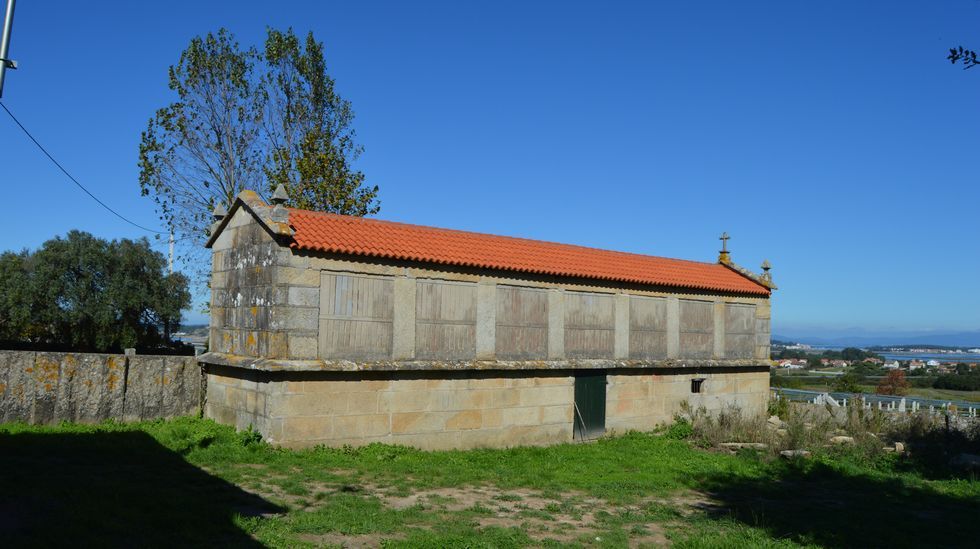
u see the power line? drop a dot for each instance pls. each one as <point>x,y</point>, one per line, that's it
<point>75,181</point>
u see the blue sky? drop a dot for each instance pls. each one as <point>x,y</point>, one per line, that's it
<point>831,138</point>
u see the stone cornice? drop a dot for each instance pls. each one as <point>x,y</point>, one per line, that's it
<point>763,279</point>
<point>283,365</point>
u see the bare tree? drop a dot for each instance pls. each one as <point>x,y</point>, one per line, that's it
<point>242,120</point>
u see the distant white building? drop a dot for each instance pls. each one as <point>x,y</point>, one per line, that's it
<point>890,365</point>
<point>793,363</point>
<point>932,363</point>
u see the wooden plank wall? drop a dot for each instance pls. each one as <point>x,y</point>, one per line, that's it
<point>697,327</point>
<point>648,327</point>
<point>521,323</point>
<point>445,320</point>
<point>739,330</point>
<point>355,316</point>
<point>590,325</point>
<point>357,313</point>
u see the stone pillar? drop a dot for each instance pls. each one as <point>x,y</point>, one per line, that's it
<point>763,313</point>
<point>719,339</point>
<point>673,327</point>
<point>556,323</point>
<point>403,319</point>
<point>486,320</point>
<point>622,324</point>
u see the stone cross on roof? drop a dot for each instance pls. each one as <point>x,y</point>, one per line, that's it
<point>723,255</point>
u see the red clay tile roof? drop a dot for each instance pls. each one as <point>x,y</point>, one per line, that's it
<point>387,239</point>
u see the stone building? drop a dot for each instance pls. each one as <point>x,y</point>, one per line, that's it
<point>328,329</point>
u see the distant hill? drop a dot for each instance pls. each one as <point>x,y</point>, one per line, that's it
<point>960,339</point>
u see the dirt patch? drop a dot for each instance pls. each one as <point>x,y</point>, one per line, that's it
<point>563,518</point>
<point>347,542</point>
<point>543,518</point>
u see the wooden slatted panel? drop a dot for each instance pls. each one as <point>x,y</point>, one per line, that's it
<point>590,325</point>
<point>739,318</point>
<point>762,338</point>
<point>355,316</point>
<point>521,323</point>
<point>739,330</point>
<point>697,328</point>
<point>648,327</point>
<point>445,320</point>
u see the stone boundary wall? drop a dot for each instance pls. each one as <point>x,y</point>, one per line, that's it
<point>45,388</point>
<point>460,409</point>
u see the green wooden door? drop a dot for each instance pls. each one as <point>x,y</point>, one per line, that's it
<point>590,403</point>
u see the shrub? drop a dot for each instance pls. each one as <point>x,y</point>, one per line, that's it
<point>249,437</point>
<point>778,407</point>
<point>848,383</point>
<point>958,382</point>
<point>680,429</point>
<point>727,425</point>
<point>893,384</point>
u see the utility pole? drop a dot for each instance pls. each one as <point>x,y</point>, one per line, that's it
<point>5,61</point>
<point>171,262</point>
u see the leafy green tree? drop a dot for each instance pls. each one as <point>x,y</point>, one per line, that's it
<point>865,368</point>
<point>850,354</point>
<point>311,140</point>
<point>813,361</point>
<point>245,120</point>
<point>848,383</point>
<point>205,147</point>
<point>88,294</point>
<point>19,304</point>
<point>959,382</point>
<point>960,55</point>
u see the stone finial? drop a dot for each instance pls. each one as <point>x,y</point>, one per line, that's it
<point>724,256</point>
<point>279,196</point>
<point>280,214</point>
<point>766,275</point>
<point>219,212</point>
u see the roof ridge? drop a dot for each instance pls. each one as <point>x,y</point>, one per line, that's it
<point>370,220</point>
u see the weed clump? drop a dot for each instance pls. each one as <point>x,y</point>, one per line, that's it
<point>680,429</point>
<point>932,445</point>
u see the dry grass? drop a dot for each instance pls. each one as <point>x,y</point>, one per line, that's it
<point>812,427</point>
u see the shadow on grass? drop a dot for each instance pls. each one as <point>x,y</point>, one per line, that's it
<point>817,504</point>
<point>114,489</point>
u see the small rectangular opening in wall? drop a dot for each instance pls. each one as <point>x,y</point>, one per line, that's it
<point>696,384</point>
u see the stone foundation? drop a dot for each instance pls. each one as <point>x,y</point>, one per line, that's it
<point>640,401</point>
<point>459,409</point>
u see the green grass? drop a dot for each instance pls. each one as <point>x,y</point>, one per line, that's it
<point>191,482</point>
